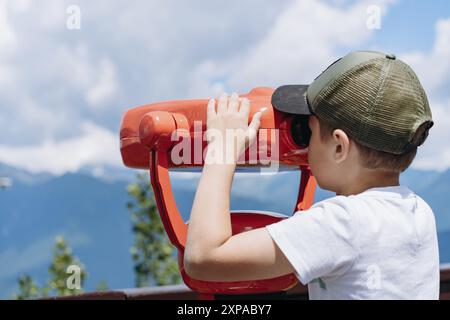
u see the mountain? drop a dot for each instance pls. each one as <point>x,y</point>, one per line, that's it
<point>23,176</point>
<point>88,211</point>
<point>88,208</point>
<point>437,192</point>
<point>444,246</point>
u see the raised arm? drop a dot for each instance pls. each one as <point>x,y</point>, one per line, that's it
<point>212,253</point>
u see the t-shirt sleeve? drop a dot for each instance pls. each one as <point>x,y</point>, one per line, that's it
<point>320,241</point>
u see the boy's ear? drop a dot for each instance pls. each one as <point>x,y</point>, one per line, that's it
<point>341,145</point>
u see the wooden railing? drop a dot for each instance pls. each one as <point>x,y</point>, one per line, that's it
<point>181,292</point>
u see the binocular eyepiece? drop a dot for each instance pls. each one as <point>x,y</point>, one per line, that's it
<point>300,132</point>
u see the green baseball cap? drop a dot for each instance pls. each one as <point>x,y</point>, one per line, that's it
<point>374,97</point>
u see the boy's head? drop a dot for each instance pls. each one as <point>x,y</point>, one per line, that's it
<point>368,114</point>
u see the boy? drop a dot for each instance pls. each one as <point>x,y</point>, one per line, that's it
<point>368,113</point>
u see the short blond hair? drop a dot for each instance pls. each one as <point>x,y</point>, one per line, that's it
<point>375,159</point>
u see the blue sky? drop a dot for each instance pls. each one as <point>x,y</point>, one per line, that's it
<point>63,92</point>
<point>409,25</point>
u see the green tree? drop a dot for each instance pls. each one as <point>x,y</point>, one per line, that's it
<point>153,255</point>
<point>67,273</point>
<point>28,289</point>
<point>63,273</point>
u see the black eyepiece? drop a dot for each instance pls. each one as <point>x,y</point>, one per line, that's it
<point>301,134</point>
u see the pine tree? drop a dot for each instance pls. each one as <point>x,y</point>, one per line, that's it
<point>67,275</point>
<point>153,255</point>
<point>66,271</point>
<point>28,289</point>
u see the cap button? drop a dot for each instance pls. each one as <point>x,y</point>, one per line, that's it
<point>391,56</point>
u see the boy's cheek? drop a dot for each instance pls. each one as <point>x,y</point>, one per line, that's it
<point>312,158</point>
<point>316,160</point>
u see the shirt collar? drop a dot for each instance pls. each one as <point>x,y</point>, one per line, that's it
<point>391,191</point>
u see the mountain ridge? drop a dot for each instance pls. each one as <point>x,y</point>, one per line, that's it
<point>90,211</point>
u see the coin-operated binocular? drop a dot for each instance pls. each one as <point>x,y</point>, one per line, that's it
<point>171,135</point>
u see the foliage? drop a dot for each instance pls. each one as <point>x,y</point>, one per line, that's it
<point>28,289</point>
<point>153,255</point>
<point>60,275</point>
<point>64,271</point>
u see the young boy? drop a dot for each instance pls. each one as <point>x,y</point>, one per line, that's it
<point>368,113</point>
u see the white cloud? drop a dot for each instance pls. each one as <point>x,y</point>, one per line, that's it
<point>106,86</point>
<point>204,79</point>
<point>433,69</point>
<point>94,146</point>
<point>49,75</point>
<point>302,42</point>
<point>124,54</point>
<point>127,54</point>
<point>8,37</point>
<point>435,153</point>
<point>20,6</point>
<point>78,69</point>
<point>304,38</point>
<point>8,44</point>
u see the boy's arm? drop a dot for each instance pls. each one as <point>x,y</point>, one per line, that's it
<point>211,252</point>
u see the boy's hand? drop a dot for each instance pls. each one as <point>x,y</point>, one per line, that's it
<point>228,132</point>
<point>212,252</point>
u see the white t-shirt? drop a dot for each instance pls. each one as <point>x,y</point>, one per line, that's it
<point>379,244</point>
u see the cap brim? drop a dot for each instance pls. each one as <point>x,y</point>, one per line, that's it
<point>291,99</point>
